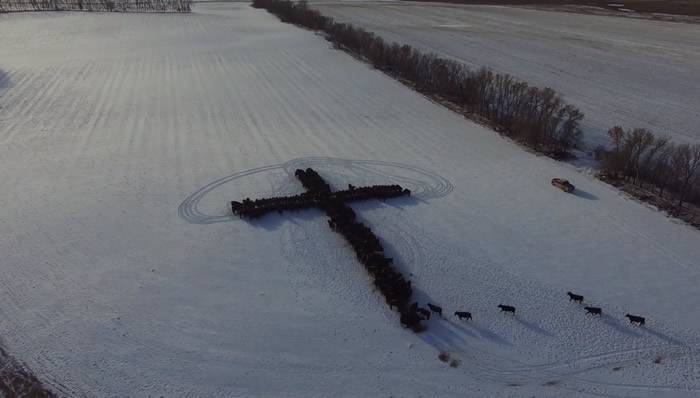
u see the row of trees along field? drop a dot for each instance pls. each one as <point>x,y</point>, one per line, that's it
<point>654,163</point>
<point>97,5</point>
<point>536,117</point>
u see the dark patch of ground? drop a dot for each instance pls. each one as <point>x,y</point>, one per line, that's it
<point>675,7</point>
<point>17,381</point>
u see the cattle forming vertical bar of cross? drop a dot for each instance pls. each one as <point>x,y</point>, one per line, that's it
<point>395,288</point>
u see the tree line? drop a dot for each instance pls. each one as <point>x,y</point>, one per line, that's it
<point>654,163</point>
<point>536,117</point>
<point>97,5</point>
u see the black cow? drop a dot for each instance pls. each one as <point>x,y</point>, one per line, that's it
<point>463,315</point>
<point>594,310</point>
<point>635,319</point>
<point>507,308</point>
<point>575,297</point>
<point>436,309</point>
<point>424,313</point>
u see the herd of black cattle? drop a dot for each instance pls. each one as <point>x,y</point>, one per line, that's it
<point>395,288</point>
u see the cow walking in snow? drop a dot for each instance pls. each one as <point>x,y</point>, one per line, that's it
<point>575,297</point>
<point>594,310</point>
<point>435,308</point>
<point>423,313</point>
<point>463,315</point>
<point>507,308</point>
<point>635,319</point>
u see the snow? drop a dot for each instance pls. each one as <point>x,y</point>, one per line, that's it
<point>618,71</point>
<point>125,136</point>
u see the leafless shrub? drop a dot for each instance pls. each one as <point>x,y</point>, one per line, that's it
<point>639,157</point>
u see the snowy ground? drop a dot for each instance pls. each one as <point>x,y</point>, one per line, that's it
<point>123,137</point>
<point>631,72</point>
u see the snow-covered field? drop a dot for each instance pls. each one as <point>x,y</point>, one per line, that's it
<point>618,71</point>
<point>122,139</point>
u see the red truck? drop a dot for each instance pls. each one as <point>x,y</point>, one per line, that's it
<point>564,185</point>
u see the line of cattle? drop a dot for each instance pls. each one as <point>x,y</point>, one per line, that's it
<point>425,314</point>
<point>255,208</point>
<point>396,289</point>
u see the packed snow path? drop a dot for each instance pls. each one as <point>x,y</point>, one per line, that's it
<point>123,137</point>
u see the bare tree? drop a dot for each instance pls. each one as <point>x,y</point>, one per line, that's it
<point>612,160</point>
<point>536,117</point>
<point>636,143</point>
<point>646,166</point>
<point>685,162</point>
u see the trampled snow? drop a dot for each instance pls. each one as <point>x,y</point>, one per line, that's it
<point>124,137</point>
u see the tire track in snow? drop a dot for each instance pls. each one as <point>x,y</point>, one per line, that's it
<point>424,185</point>
<point>435,187</point>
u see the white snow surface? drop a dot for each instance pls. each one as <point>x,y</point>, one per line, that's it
<point>618,71</point>
<point>124,137</point>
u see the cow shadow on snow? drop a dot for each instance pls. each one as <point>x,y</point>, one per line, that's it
<point>445,334</point>
<point>618,326</point>
<point>634,331</point>
<point>533,327</point>
<point>662,336</point>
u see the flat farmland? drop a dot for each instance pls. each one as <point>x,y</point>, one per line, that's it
<point>123,137</point>
<point>618,71</point>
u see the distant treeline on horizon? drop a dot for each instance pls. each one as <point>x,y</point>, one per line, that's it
<point>96,5</point>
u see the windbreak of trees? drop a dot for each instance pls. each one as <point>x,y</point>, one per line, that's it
<point>639,157</point>
<point>17,381</point>
<point>537,117</point>
<point>97,5</point>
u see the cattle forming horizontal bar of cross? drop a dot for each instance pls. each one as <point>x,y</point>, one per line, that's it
<point>318,192</point>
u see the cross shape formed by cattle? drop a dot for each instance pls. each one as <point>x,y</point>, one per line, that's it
<point>394,287</point>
